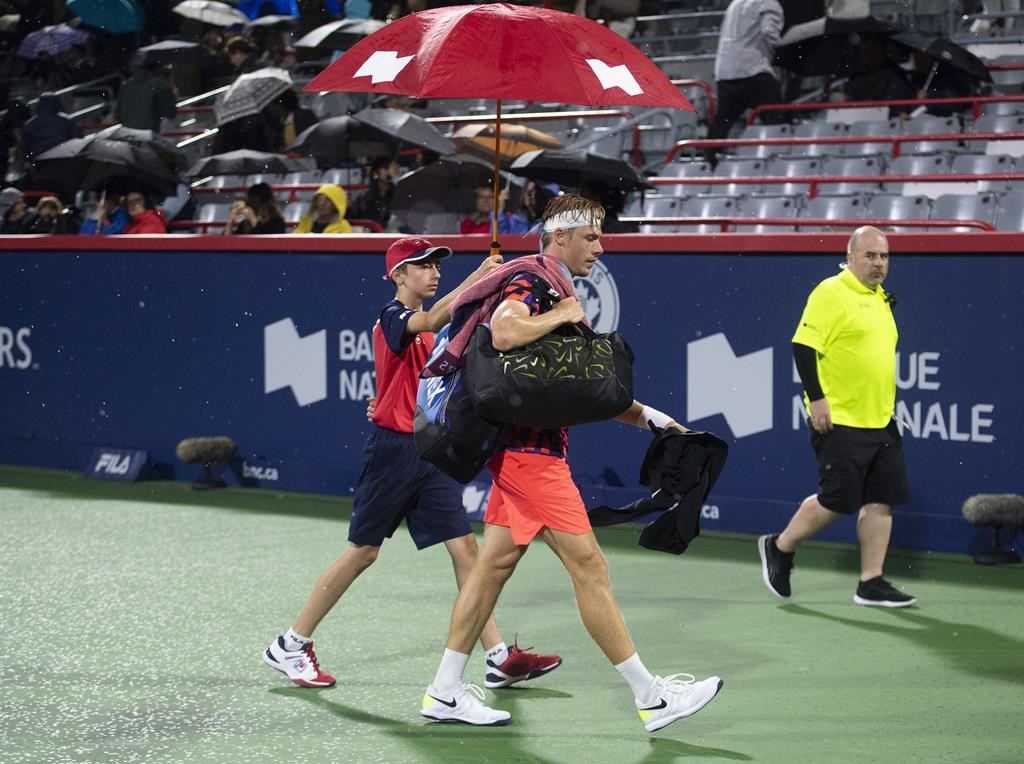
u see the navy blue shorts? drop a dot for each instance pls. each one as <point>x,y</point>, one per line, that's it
<point>395,484</point>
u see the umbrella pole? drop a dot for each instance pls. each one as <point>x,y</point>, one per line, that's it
<point>931,76</point>
<point>495,245</point>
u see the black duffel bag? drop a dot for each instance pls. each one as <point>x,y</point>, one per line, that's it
<point>556,381</point>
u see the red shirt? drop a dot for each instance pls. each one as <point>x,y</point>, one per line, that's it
<point>398,358</point>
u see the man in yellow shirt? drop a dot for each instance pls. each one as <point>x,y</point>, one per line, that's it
<point>845,353</point>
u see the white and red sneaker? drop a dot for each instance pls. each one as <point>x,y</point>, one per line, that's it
<point>520,666</point>
<point>301,666</point>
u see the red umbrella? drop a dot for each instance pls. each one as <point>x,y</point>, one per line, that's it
<point>501,51</point>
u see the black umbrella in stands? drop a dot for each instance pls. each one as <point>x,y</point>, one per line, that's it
<point>339,35</point>
<point>371,132</point>
<point>407,128</point>
<point>164,52</point>
<point>164,148</point>
<point>245,162</point>
<point>93,163</point>
<point>574,168</point>
<point>446,187</point>
<point>946,54</point>
<point>828,46</point>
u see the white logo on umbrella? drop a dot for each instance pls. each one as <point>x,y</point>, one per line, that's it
<point>383,66</point>
<point>615,77</point>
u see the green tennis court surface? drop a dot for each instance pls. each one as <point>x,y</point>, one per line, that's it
<point>133,618</point>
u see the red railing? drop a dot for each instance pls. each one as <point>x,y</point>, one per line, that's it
<point>975,102</point>
<point>706,87</point>
<point>726,221</point>
<point>206,225</point>
<point>895,140</point>
<point>813,181</point>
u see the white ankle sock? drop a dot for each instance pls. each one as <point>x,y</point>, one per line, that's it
<point>294,641</point>
<point>497,654</point>
<point>639,679</point>
<point>449,673</point>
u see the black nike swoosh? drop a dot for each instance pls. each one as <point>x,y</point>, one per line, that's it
<point>652,708</point>
<point>451,703</point>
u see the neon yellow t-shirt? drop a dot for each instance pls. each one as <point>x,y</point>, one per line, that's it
<point>852,328</point>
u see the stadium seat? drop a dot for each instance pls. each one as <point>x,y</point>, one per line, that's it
<point>768,207</point>
<point>929,125</point>
<point>661,207</point>
<point>784,166</point>
<point>609,144</point>
<point>1002,108</point>
<point>293,212</point>
<point>965,207</point>
<point>1011,212</point>
<point>984,163</point>
<point>1006,123</point>
<point>871,129</point>
<point>846,166</point>
<point>758,132</point>
<point>707,207</point>
<point>740,168</point>
<point>686,170</point>
<point>819,130</point>
<point>833,207</point>
<point>898,207</point>
<point>925,164</point>
<point>342,176</point>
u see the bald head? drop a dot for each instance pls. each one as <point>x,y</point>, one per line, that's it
<point>867,256</point>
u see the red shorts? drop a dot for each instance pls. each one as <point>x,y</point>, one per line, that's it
<point>532,492</point>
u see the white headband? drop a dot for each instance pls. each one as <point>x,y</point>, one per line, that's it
<point>572,219</point>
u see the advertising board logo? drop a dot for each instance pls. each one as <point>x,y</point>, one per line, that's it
<point>720,382</point>
<point>599,297</point>
<point>15,352</point>
<point>256,472</point>
<point>296,362</point>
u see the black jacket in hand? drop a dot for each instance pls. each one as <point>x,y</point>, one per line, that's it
<point>681,468</point>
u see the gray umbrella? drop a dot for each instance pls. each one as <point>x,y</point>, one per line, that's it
<point>406,128</point>
<point>163,52</point>
<point>164,148</point>
<point>250,94</point>
<point>339,35</point>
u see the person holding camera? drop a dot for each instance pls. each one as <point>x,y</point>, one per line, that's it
<point>256,214</point>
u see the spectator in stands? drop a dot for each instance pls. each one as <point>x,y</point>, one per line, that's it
<point>47,128</point>
<point>257,132</point>
<point>241,54</point>
<point>944,84</point>
<point>375,202</point>
<point>144,217</point>
<point>291,118</point>
<point>326,212</point>
<point>78,65</point>
<point>879,78</point>
<point>743,65</point>
<point>109,219</point>
<point>480,220</point>
<point>614,202</point>
<point>535,198</point>
<point>256,214</point>
<point>15,212</point>
<point>12,124</point>
<point>52,217</point>
<point>210,62</point>
<point>145,99</point>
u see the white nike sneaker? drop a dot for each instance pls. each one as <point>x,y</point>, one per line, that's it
<point>674,698</point>
<point>461,705</point>
<point>301,666</point>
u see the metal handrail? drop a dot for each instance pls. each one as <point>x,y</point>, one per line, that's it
<point>813,181</point>
<point>895,140</point>
<point>726,221</point>
<point>974,101</point>
<point>706,87</point>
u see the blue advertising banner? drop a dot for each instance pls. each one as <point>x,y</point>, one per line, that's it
<point>136,350</point>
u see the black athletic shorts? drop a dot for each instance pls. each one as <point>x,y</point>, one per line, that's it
<point>858,466</point>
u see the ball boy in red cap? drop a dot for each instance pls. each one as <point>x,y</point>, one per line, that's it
<point>395,483</point>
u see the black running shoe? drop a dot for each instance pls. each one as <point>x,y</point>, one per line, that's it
<point>880,593</point>
<point>775,566</point>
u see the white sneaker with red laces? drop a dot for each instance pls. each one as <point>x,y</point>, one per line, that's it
<point>301,666</point>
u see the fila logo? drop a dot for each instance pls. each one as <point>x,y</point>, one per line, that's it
<point>299,363</point>
<point>114,464</point>
<point>738,387</point>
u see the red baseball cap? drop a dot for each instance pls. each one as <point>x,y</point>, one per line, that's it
<point>412,250</point>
